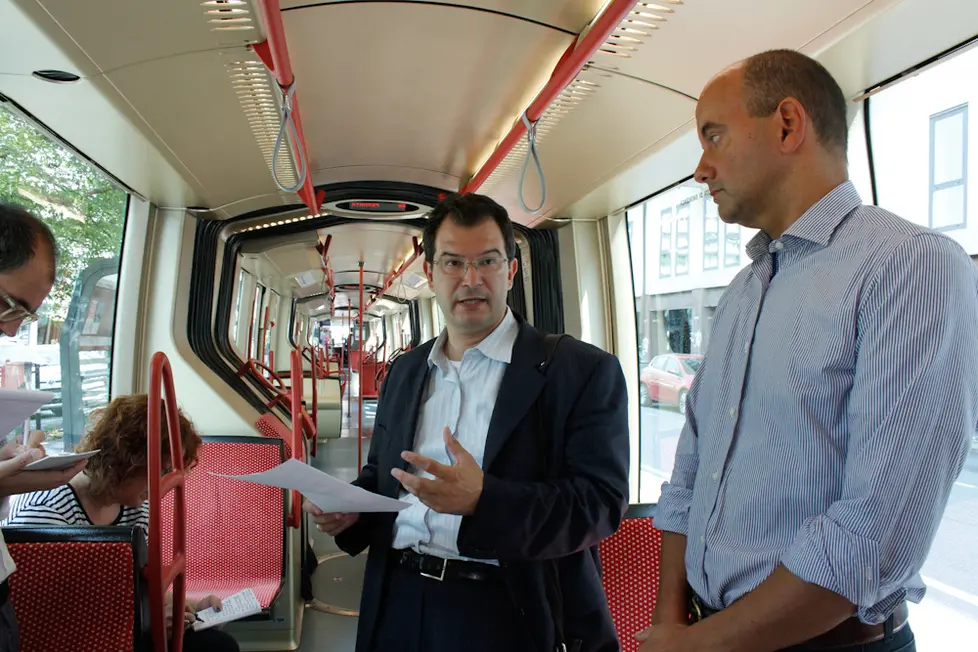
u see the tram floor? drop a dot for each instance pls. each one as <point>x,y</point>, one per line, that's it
<point>329,622</point>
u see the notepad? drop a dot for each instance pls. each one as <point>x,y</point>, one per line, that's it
<point>239,605</point>
<point>58,462</point>
<point>323,490</point>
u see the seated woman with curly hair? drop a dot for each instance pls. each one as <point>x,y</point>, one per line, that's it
<point>114,489</point>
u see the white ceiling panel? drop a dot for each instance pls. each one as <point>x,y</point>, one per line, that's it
<point>568,15</point>
<point>428,100</point>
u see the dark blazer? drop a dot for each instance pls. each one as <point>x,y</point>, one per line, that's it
<point>520,519</point>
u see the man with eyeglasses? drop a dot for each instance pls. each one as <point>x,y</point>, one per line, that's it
<point>512,453</point>
<point>27,267</point>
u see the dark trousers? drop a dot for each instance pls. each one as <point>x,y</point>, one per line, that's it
<point>209,640</point>
<point>9,632</point>
<point>420,614</point>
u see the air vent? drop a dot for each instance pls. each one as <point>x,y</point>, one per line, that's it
<point>228,15</point>
<point>56,76</point>
<point>260,102</point>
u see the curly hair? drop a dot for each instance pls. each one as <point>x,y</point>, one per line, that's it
<point>119,432</point>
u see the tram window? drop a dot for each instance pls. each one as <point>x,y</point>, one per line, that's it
<point>256,320</point>
<point>236,320</point>
<point>677,243</point>
<point>920,139</point>
<point>68,350</point>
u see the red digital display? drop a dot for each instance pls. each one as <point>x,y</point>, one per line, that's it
<point>378,206</point>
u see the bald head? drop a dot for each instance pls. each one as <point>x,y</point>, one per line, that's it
<point>771,77</point>
<point>773,130</point>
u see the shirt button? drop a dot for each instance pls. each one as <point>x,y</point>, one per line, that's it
<point>746,347</point>
<point>716,477</point>
<point>702,539</point>
<point>733,412</point>
<point>779,245</point>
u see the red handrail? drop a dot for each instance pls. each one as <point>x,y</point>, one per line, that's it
<point>362,349</point>
<point>159,576</point>
<point>315,400</point>
<point>274,53</point>
<point>295,516</point>
<point>396,273</point>
<point>570,64</point>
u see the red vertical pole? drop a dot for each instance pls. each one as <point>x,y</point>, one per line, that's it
<point>360,376</point>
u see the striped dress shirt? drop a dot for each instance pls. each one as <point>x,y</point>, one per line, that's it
<point>461,396</point>
<point>833,410</point>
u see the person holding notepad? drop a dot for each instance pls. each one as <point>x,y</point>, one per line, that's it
<point>113,490</point>
<point>28,254</point>
<point>511,450</point>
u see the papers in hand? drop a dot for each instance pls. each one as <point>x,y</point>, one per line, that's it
<point>239,605</point>
<point>323,490</point>
<point>16,405</point>
<point>58,462</point>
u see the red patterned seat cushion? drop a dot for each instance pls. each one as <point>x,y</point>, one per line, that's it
<point>235,529</point>
<point>74,596</point>
<point>630,574</point>
<point>269,426</point>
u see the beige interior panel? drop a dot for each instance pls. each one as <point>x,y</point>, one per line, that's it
<point>428,98</point>
<point>910,32</point>
<point>194,110</point>
<point>118,33</point>
<point>569,15</point>
<point>90,114</point>
<point>698,39</point>
<point>593,141</point>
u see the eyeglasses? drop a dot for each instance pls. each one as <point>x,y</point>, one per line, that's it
<point>15,311</point>
<point>457,268</point>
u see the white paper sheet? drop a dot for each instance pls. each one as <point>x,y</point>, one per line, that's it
<point>16,405</point>
<point>239,605</point>
<point>323,490</point>
<point>55,462</point>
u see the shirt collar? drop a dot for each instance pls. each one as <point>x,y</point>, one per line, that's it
<point>818,223</point>
<point>498,345</point>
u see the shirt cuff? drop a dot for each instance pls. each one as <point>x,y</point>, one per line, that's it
<point>672,511</point>
<point>826,554</point>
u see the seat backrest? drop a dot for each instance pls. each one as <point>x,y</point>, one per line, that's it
<point>630,573</point>
<point>269,425</point>
<point>235,529</point>
<point>79,588</point>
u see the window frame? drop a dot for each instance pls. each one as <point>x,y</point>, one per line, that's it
<point>707,218</point>
<point>962,181</point>
<point>729,228</point>
<point>683,213</point>
<point>665,236</point>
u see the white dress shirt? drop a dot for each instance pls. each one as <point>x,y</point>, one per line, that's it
<point>460,396</point>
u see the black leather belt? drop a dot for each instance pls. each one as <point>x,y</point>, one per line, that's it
<point>849,632</point>
<point>438,568</point>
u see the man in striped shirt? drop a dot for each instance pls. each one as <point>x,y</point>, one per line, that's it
<point>835,405</point>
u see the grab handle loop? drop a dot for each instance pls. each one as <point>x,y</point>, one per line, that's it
<point>288,123</point>
<point>531,152</point>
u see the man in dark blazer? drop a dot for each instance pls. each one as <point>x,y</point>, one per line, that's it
<point>513,454</point>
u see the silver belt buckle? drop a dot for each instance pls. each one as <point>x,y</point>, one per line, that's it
<point>441,576</point>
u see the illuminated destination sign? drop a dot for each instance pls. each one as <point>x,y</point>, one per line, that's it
<point>386,207</point>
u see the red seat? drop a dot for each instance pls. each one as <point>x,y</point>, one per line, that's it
<point>235,529</point>
<point>269,425</point>
<point>79,588</point>
<point>630,573</point>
